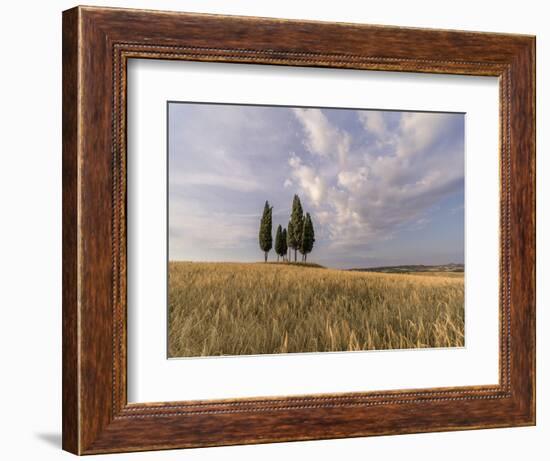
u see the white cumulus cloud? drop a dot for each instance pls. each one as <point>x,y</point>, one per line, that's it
<point>308,179</point>
<point>371,196</point>
<point>374,122</point>
<point>322,138</point>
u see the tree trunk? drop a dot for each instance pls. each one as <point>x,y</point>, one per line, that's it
<point>295,254</point>
<point>277,257</point>
<point>305,257</point>
<point>265,256</point>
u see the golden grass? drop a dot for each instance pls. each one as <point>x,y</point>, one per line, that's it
<point>236,309</point>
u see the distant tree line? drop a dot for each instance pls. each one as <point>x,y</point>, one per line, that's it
<point>299,234</point>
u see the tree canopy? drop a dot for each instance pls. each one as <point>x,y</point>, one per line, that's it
<point>265,235</point>
<point>298,236</point>
<point>296,225</point>
<point>308,237</point>
<point>280,242</point>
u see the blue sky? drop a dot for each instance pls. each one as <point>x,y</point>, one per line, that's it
<point>382,187</point>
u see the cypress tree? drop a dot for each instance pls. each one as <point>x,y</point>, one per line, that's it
<point>265,236</point>
<point>308,237</point>
<point>297,221</point>
<point>285,244</point>
<point>289,240</point>
<point>279,245</point>
<point>301,237</point>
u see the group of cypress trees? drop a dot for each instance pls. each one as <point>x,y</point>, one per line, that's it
<point>298,236</point>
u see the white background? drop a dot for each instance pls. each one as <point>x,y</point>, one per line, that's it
<point>153,378</point>
<point>30,243</point>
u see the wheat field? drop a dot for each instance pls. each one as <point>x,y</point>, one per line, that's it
<point>248,308</point>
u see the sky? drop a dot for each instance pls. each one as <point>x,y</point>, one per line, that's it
<point>382,187</point>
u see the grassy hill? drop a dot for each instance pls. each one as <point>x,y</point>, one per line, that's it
<point>234,309</point>
<point>411,269</point>
<point>295,264</point>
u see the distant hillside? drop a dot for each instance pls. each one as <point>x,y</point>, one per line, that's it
<point>452,267</point>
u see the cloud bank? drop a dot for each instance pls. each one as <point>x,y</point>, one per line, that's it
<point>384,185</point>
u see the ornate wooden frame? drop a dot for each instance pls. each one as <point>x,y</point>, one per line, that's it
<point>97,43</point>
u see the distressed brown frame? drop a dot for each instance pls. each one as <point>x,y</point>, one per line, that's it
<point>97,43</point>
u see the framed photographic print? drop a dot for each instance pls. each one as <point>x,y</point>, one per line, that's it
<point>281,230</point>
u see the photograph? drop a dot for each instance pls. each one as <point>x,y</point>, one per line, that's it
<point>313,229</point>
